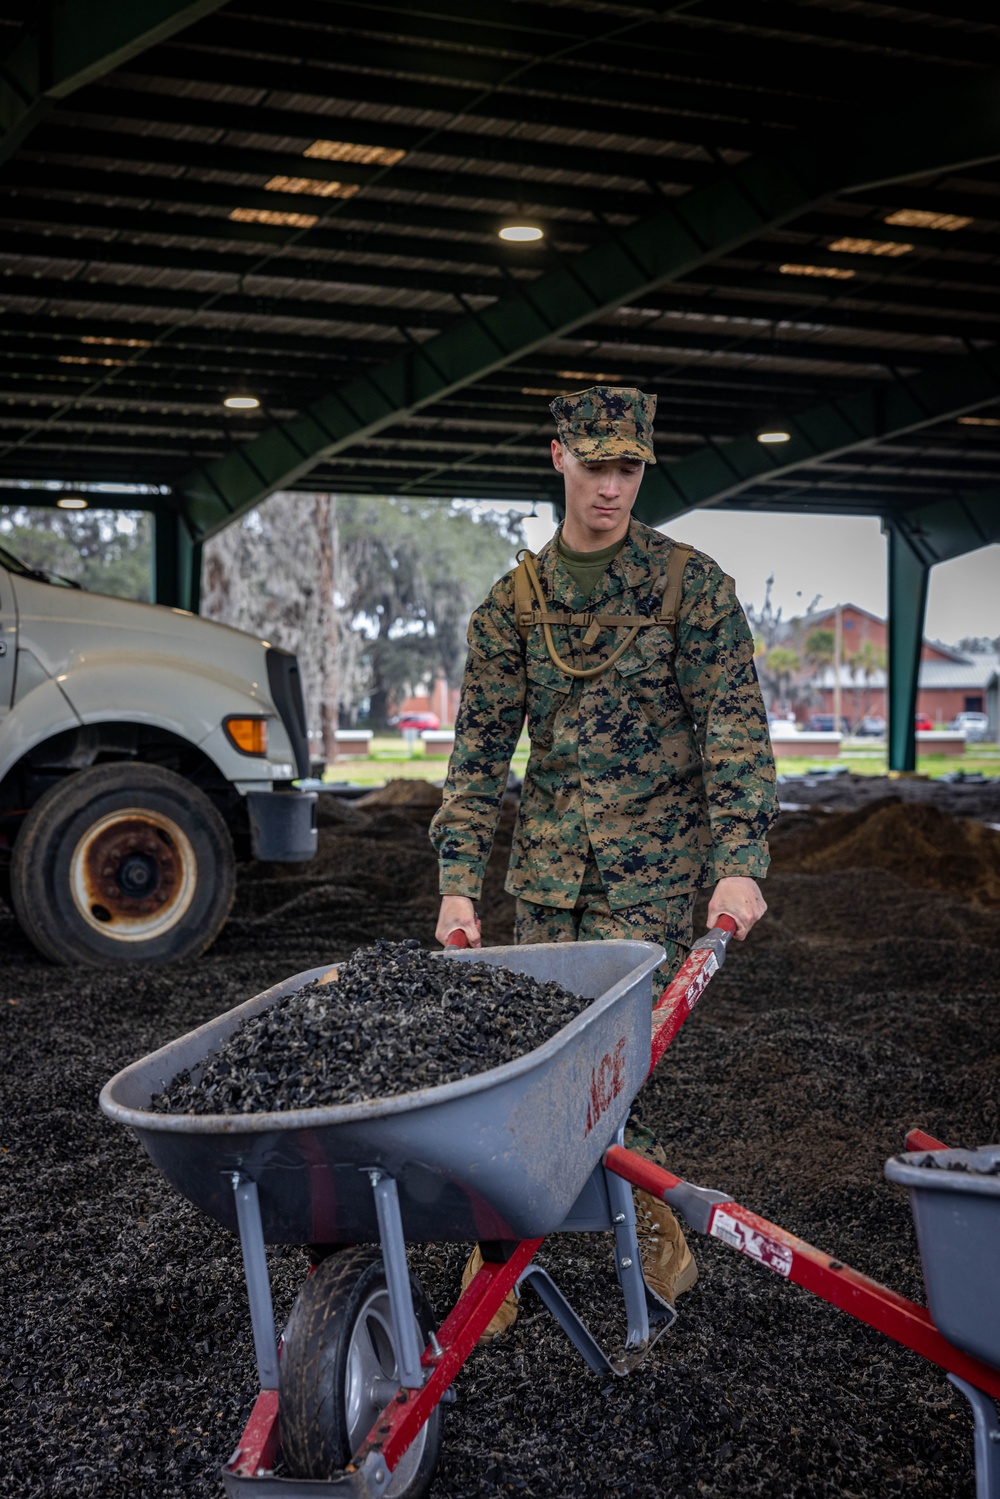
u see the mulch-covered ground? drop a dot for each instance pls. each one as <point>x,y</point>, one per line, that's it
<point>865,1004</point>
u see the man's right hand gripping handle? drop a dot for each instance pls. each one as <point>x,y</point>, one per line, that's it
<point>458,914</point>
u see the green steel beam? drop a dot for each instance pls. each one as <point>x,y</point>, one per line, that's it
<point>908,578</point>
<point>917,540</point>
<point>948,388</point>
<point>682,235</point>
<point>72,44</point>
<point>176,562</point>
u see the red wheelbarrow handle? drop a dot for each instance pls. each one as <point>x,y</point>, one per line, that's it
<point>457,938</point>
<point>776,1249</point>
<point>688,985</point>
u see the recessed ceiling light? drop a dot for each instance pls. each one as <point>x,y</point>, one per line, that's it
<point>521,233</point>
<point>368,156</point>
<point>86,359</point>
<point>129,343</point>
<point>775,436</point>
<point>597,378</point>
<point>241,403</point>
<point>851,246</point>
<point>71,502</point>
<point>827,272</point>
<point>311,185</point>
<point>273,217</point>
<point>920,218</point>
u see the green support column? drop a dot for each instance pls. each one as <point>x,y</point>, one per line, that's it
<point>176,563</point>
<point>908,576</point>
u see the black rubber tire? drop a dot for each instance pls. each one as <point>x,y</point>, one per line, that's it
<point>337,1337</point>
<point>91,839</point>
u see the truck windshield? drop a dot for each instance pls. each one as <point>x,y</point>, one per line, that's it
<point>22,570</point>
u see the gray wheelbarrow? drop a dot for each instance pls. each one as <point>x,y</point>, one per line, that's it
<point>352,1405</point>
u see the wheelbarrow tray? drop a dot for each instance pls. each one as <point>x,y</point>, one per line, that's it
<point>955,1202</point>
<point>500,1155</point>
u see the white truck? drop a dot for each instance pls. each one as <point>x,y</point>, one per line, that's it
<point>143,751</point>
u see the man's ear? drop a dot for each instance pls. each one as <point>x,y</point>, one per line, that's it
<point>558,455</point>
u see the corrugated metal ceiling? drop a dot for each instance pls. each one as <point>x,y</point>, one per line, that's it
<point>173,231</point>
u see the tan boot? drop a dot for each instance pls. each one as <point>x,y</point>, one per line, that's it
<point>506,1312</point>
<point>667,1263</point>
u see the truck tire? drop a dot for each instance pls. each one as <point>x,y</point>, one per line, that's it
<point>122,863</point>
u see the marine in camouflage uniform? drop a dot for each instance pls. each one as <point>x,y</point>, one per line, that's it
<point>644,783</point>
<point>646,780</point>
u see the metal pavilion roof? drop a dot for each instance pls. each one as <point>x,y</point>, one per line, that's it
<point>294,206</point>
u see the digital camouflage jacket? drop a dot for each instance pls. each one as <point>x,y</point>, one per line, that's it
<point>662,764</point>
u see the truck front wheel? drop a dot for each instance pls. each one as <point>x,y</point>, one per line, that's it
<point>122,863</point>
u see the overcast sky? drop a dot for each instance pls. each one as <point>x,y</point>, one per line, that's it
<point>842,559</point>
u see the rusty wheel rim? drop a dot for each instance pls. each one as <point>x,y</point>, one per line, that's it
<point>133,875</point>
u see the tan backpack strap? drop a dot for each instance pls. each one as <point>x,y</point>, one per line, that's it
<point>673,584</point>
<point>528,563</point>
<point>522,596</point>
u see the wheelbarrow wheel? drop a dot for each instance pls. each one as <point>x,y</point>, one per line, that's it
<point>338,1370</point>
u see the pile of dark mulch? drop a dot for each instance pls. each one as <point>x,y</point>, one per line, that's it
<point>926,847</point>
<point>394,1020</point>
<point>962,795</point>
<point>861,1007</point>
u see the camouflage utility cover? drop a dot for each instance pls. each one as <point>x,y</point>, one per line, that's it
<point>606,421</point>
<point>662,764</point>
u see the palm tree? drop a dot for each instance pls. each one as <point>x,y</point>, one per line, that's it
<point>868,659</point>
<point>780,664</point>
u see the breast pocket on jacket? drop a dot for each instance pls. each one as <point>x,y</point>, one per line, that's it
<point>646,678</point>
<point>548,689</point>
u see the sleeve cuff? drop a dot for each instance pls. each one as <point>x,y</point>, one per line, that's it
<point>458,882</point>
<point>742,860</point>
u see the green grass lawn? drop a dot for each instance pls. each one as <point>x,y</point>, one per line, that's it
<point>391,759</point>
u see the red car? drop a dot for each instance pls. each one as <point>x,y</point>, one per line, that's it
<point>417,721</point>
<point>921,721</point>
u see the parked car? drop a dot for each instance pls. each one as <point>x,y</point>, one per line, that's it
<point>976,725</point>
<point>416,721</point>
<point>823,723</point>
<point>922,722</point>
<point>872,727</point>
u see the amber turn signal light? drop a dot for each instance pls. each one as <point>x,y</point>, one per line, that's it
<point>248,734</point>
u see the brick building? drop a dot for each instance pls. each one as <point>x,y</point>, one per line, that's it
<point>950,682</point>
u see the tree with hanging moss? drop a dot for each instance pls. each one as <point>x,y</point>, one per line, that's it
<point>105,551</point>
<point>372,593</point>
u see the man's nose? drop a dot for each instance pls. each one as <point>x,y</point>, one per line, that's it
<point>610,485</point>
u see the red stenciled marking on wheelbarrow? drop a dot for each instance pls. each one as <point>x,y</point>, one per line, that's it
<point>607,1080</point>
<point>750,1241</point>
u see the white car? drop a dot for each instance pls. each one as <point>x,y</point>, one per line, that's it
<point>976,725</point>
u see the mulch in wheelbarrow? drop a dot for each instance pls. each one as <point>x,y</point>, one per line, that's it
<point>395,1019</point>
<point>862,1006</point>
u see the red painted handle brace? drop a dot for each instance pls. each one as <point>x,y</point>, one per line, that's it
<point>832,1280</point>
<point>918,1140</point>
